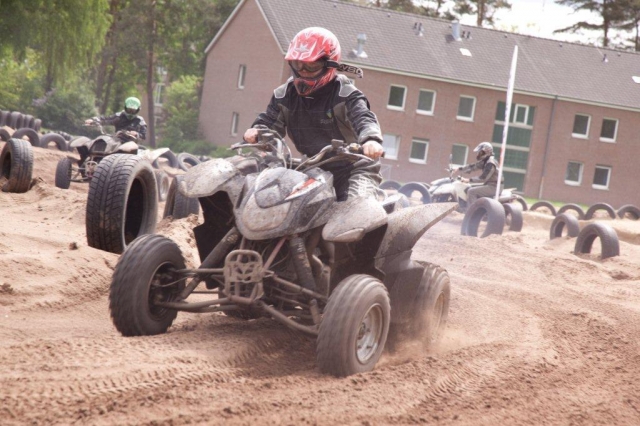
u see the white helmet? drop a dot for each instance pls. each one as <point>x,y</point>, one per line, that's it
<point>484,150</point>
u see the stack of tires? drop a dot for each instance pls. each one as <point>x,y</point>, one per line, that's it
<point>25,125</point>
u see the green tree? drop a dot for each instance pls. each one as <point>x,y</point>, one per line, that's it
<point>66,33</point>
<point>612,13</point>
<point>483,9</point>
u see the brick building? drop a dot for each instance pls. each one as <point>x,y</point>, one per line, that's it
<point>438,89</point>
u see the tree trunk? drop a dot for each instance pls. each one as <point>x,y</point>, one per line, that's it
<point>151,134</point>
<point>106,56</point>
<point>107,92</point>
<point>481,12</point>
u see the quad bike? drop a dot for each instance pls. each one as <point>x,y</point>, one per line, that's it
<point>454,189</point>
<point>93,151</point>
<point>276,243</point>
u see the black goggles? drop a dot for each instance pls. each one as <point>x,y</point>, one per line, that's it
<point>308,66</point>
<point>131,111</point>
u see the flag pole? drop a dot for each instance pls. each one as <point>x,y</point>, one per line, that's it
<point>507,114</point>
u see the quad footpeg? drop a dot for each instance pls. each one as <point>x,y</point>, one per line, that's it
<point>243,275</point>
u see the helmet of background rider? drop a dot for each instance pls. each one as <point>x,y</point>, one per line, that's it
<point>484,150</point>
<point>132,107</point>
<point>308,46</point>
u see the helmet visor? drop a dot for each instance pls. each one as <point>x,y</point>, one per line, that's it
<point>308,66</point>
<point>131,111</point>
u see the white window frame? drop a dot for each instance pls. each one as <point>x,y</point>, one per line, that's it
<point>426,151</point>
<point>580,135</point>
<point>473,109</point>
<point>615,134</point>
<point>235,118</point>
<point>433,103</point>
<point>157,94</point>
<point>466,153</point>
<point>526,114</point>
<point>388,155</point>
<point>572,182</point>
<point>404,98</point>
<point>242,74</point>
<point>609,168</point>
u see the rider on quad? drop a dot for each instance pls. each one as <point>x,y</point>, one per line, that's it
<point>129,125</point>
<point>489,177</point>
<point>317,105</point>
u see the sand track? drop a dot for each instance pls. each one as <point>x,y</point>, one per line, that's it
<point>537,335</point>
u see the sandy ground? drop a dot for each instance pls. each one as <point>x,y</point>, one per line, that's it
<point>536,335</point>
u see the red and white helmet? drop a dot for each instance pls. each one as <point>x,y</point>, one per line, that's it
<point>311,45</point>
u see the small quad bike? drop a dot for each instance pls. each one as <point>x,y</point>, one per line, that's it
<point>93,151</point>
<point>276,243</point>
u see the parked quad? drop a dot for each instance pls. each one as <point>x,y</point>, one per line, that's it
<point>93,151</point>
<point>276,243</point>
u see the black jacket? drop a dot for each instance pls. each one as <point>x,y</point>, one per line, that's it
<point>121,122</point>
<point>489,167</point>
<point>336,111</point>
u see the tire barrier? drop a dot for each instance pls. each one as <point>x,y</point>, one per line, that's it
<point>573,207</point>
<point>543,204</point>
<point>523,203</point>
<point>30,134</point>
<point>177,205</point>
<point>629,211</point>
<point>608,240</point>
<point>409,188</point>
<point>4,135</point>
<point>513,216</point>
<point>187,160</point>
<point>60,142</point>
<point>492,209</point>
<point>564,221</point>
<point>600,206</point>
<point>390,184</point>
<point>16,165</point>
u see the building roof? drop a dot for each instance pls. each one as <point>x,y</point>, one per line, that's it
<point>545,67</point>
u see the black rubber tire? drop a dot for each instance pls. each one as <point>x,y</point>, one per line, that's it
<point>608,240</point>
<point>122,203</point>
<point>37,124</point>
<point>149,258</point>
<point>544,204</point>
<point>390,184</point>
<point>408,188</point>
<point>64,168</point>
<point>629,211</point>
<point>336,348</point>
<point>187,160</point>
<point>31,135</point>
<point>434,295</point>
<point>523,203</point>
<point>574,207</point>
<point>4,117</point>
<point>600,206</point>
<point>177,205</point>
<point>16,166</point>
<point>476,211</point>
<point>513,216</point>
<point>564,221</point>
<point>15,120</point>
<point>171,158</point>
<point>56,138</point>
<point>163,182</point>
<point>4,135</point>
<point>28,121</point>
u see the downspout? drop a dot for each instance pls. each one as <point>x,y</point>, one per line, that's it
<point>546,147</point>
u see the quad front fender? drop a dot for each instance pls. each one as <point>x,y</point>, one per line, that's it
<point>212,176</point>
<point>406,226</point>
<point>352,219</point>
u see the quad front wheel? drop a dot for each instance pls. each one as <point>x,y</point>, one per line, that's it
<point>354,326</point>
<point>146,274</point>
